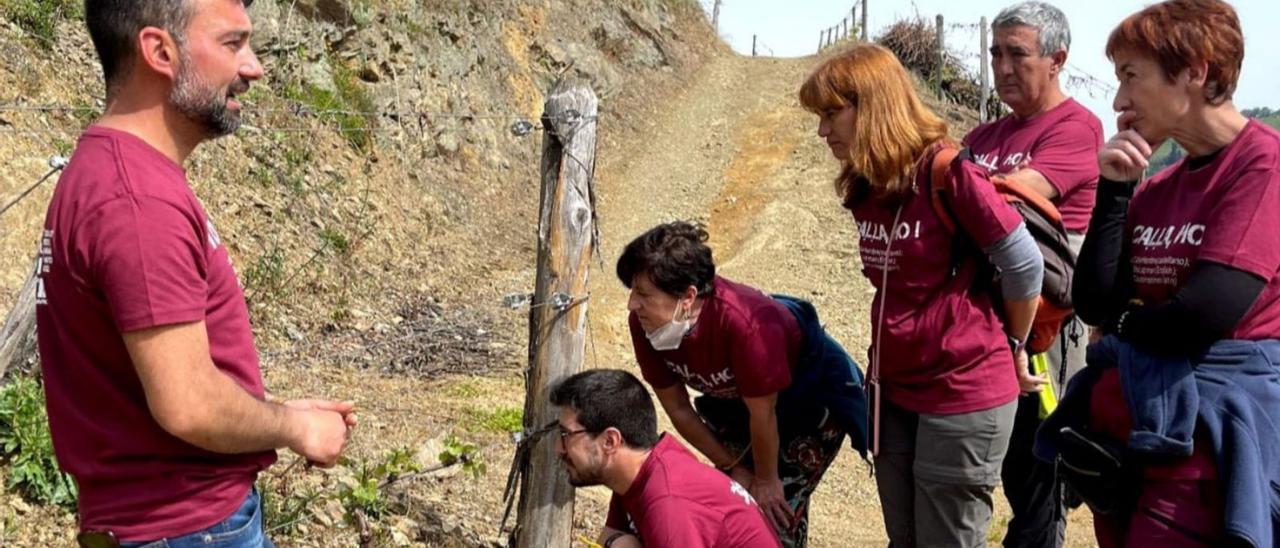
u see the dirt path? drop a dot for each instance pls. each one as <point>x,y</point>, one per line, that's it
<point>735,150</point>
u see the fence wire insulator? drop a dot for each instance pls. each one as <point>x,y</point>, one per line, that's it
<point>522,128</point>
<point>571,116</point>
<point>560,301</point>
<point>58,162</point>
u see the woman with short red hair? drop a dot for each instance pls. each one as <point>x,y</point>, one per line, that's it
<point>1171,432</point>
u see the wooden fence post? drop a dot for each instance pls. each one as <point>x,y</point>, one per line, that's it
<point>558,316</point>
<point>753,45</point>
<point>853,18</point>
<point>844,28</point>
<point>18,334</point>
<point>715,17</point>
<point>985,64</point>
<point>820,44</point>
<point>864,20</point>
<point>942,55</point>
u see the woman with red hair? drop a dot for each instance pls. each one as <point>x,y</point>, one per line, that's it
<point>1171,432</point>
<point>942,381</point>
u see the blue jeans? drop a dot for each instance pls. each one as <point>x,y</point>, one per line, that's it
<point>243,529</point>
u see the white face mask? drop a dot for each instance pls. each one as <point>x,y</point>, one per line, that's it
<point>668,337</point>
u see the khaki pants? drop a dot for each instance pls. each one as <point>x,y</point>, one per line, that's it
<point>936,473</point>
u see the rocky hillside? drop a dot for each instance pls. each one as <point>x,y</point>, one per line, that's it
<point>336,217</point>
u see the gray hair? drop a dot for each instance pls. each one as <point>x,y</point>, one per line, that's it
<point>1054,33</point>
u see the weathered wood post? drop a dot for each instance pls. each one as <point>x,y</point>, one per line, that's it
<point>864,20</point>
<point>942,55</point>
<point>715,16</point>
<point>844,29</point>
<point>18,334</point>
<point>820,44</point>
<point>558,316</point>
<point>985,64</point>
<point>753,45</point>
<point>853,19</point>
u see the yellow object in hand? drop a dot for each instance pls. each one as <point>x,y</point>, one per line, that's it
<point>588,542</point>
<point>1048,399</point>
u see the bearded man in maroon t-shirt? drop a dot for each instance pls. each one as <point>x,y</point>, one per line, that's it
<point>1049,143</point>
<point>155,397</point>
<point>663,496</point>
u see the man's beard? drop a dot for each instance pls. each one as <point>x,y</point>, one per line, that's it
<point>591,473</point>
<point>204,104</point>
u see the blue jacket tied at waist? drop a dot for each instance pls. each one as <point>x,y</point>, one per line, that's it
<point>825,375</point>
<point>1232,393</point>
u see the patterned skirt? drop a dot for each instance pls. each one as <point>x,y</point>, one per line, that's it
<point>808,440</point>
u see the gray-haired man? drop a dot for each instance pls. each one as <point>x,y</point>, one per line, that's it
<point>1050,143</point>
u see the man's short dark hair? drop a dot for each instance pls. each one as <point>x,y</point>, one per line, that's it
<point>605,398</point>
<point>114,26</point>
<point>675,255</point>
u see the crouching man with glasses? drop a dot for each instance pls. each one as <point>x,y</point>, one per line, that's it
<point>662,494</point>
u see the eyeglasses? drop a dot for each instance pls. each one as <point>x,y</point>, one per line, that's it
<point>564,434</point>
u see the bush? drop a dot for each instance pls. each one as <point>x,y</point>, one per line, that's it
<point>915,42</point>
<point>41,17</point>
<point>27,446</point>
<point>364,494</point>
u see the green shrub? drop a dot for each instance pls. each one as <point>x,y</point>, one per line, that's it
<point>27,446</point>
<point>503,420</point>
<point>41,17</point>
<point>364,495</point>
<point>344,106</point>
<point>467,454</point>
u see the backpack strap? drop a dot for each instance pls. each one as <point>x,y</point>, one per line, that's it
<point>940,186</point>
<point>1013,190</point>
<point>940,192</point>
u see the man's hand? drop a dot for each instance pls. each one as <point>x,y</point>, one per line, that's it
<point>768,494</point>
<point>1027,383</point>
<point>318,435</point>
<point>1126,155</point>
<point>345,408</point>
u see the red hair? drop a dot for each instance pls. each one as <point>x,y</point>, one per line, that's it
<point>1178,33</point>
<point>892,129</point>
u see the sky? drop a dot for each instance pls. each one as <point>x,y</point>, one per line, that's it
<point>790,28</point>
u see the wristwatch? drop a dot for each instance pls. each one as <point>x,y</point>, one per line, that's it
<point>1016,345</point>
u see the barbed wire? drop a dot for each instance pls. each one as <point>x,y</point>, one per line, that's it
<point>1078,78</point>
<point>517,125</point>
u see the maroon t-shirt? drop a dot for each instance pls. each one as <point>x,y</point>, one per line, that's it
<point>126,247</point>
<point>744,344</point>
<point>944,349</point>
<point>1061,144</point>
<point>1226,213</point>
<point>678,502</point>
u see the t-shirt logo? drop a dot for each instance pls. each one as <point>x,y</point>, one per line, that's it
<point>719,384</point>
<point>1151,236</point>
<point>214,240</point>
<point>877,232</point>
<point>43,264</point>
<point>1013,162</point>
<point>737,489</point>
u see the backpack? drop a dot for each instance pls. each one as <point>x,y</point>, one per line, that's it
<point>1042,219</point>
